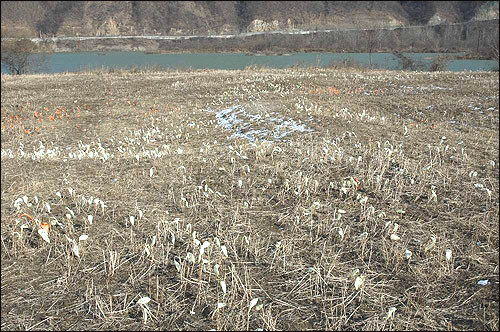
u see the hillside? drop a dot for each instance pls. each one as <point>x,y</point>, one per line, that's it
<point>101,18</point>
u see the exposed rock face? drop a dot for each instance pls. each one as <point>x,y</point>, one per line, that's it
<point>436,19</point>
<point>262,26</point>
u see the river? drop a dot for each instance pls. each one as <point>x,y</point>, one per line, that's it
<point>73,62</point>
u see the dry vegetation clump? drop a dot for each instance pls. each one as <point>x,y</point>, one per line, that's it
<point>300,198</point>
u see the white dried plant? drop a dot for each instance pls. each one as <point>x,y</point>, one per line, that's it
<point>224,251</point>
<point>45,236</point>
<point>395,237</point>
<point>190,258</point>
<point>223,286</point>
<point>430,244</point>
<point>143,303</point>
<point>253,303</point>
<point>177,265</point>
<point>359,282</point>
<point>408,254</point>
<point>448,254</point>
<point>390,313</point>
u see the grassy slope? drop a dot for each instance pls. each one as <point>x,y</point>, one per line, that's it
<point>295,223</point>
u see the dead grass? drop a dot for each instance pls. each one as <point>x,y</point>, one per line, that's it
<point>391,160</point>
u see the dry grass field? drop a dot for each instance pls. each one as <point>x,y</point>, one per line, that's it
<point>260,199</point>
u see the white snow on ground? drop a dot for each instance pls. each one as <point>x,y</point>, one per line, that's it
<point>261,125</point>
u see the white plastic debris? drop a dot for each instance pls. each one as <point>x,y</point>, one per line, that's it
<point>483,282</point>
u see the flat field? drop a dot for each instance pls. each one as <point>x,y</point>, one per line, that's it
<point>299,198</point>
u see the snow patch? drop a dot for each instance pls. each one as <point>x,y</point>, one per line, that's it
<point>263,126</point>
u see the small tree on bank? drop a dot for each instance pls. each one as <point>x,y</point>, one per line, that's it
<point>373,38</point>
<point>22,57</point>
<point>494,46</point>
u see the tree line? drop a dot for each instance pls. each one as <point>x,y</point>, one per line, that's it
<point>479,39</point>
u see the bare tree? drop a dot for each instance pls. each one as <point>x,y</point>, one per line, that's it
<point>22,57</point>
<point>370,43</point>
<point>479,36</point>
<point>373,38</point>
<point>407,63</point>
<point>440,63</point>
<point>494,45</point>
